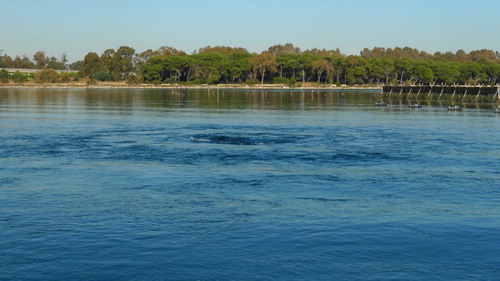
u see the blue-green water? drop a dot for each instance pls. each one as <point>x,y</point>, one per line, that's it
<point>197,185</point>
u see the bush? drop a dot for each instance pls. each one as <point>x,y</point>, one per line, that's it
<point>285,81</point>
<point>65,77</point>
<point>4,76</point>
<point>102,76</point>
<point>75,76</point>
<point>48,75</point>
<point>133,79</point>
<point>252,81</point>
<point>280,80</point>
<point>19,77</point>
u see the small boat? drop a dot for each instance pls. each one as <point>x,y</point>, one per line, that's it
<point>381,103</point>
<point>415,105</point>
<point>454,108</point>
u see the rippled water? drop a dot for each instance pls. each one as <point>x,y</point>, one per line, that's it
<point>245,185</point>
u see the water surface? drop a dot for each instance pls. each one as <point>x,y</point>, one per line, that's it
<point>245,185</point>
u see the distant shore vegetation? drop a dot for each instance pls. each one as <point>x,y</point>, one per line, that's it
<point>279,64</point>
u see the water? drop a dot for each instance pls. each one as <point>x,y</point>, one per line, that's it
<point>236,185</point>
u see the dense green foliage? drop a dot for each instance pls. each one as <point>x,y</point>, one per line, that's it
<point>111,65</point>
<point>4,76</point>
<point>17,76</point>
<point>283,64</point>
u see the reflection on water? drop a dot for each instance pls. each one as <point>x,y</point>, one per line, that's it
<point>130,99</point>
<point>213,98</point>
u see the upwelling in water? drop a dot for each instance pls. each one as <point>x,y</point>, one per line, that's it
<point>158,185</point>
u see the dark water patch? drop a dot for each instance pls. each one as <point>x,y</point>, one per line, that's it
<point>373,156</point>
<point>246,182</point>
<point>8,181</point>
<point>328,178</point>
<point>236,159</point>
<point>140,187</point>
<point>37,169</point>
<point>242,215</point>
<point>321,199</point>
<point>149,153</point>
<point>249,139</point>
<point>335,157</point>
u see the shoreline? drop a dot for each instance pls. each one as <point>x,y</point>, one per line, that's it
<point>184,87</point>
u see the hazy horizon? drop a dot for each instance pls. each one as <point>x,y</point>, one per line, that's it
<point>78,27</point>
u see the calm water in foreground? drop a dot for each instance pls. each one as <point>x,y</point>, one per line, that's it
<point>197,185</point>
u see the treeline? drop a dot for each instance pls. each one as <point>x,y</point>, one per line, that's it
<point>287,64</point>
<point>40,60</point>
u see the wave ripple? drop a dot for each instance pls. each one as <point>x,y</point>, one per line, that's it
<point>255,139</point>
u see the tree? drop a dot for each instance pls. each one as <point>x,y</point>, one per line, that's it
<point>54,63</point>
<point>446,72</point>
<point>403,68</point>
<point>357,68</point>
<point>40,59</point>
<point>64,59</point>
<point>239,66</point>
<point>90,64</point>
<point>76,65</point>
<point>339,67</point>
<point>227,64</point>
<point>492,71</point>
<point>324,53</point>
<point>265,62</point>
<point>304,62</point>
<point>153,71</point>
<point>382,68</point>
<point>376,52</point>
<point>222,50</point>
<point>166,51</point>
<point>177,68</point>
<point>485,54</point>
<point>288,64</point>
<point>423,73</point>
<point>320,66</point>
<point>120,63</point>
<point>288,48</point>
<point>4,60</point>
<point>207,67</point>
<point>470,73</point>
<point>106,62</point>
<point>141,59</point>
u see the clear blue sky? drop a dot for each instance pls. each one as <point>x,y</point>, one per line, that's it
<point>76,27</point>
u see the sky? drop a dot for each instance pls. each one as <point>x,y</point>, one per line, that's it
<point>76,27</point>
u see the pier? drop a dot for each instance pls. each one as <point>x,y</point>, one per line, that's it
<point>452,93</point>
